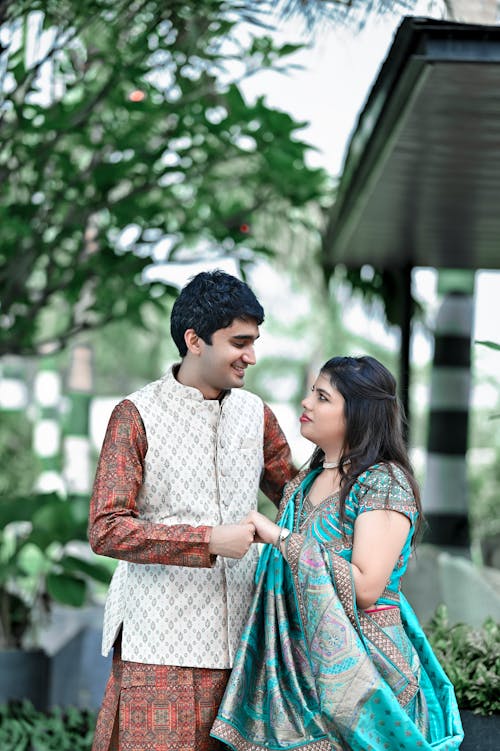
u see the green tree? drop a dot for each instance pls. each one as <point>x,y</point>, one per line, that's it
<point>119,115</point>
<point>18,462</point>
<point>313,12</point>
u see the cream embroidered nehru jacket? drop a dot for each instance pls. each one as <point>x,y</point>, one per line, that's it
<point>203,465</point>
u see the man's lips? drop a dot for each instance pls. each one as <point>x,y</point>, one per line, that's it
<point>239,370</point>
<point>305,418</point>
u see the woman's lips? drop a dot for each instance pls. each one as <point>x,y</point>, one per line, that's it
<point>304,418</point>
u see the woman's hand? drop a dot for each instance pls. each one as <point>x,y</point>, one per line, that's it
<point>265,530</point>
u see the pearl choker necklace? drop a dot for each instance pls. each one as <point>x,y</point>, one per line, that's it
<point>334,465</point>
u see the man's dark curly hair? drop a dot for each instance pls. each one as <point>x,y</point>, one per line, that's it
<point>212,300</point>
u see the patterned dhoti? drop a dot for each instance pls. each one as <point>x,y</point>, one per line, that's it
<point>159,708</point>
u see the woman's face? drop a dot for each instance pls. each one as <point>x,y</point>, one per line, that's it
<point>323,419</point>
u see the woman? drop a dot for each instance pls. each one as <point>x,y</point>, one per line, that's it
<point>332,656</point>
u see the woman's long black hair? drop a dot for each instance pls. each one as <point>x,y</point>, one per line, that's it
<point>374,423</point>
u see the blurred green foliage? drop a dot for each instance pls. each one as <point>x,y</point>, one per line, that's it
<point>17,459</point>
<point>23,728</point>
<point>39,563</point>
<point>123,115</point>
<point>471,659</point>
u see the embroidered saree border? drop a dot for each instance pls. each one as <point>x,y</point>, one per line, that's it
<point>376,635</point>
<point>290,489</point>
<point>231,737</point>
<point>389,617</point>
<point>294,544</point>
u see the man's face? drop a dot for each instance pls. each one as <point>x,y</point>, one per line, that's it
<point>223,363</point>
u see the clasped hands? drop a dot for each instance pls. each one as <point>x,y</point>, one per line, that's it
<point>234,540</point>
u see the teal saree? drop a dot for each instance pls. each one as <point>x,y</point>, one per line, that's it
<point>314,672</point>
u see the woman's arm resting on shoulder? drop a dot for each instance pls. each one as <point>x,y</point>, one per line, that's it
<point>379,537</point>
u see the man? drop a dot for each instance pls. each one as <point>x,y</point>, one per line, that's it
<point>180,466</point>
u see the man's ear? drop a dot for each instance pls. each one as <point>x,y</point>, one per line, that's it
<point>193,341</point>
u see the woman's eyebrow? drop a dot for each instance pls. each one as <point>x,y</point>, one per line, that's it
<point>322,391</point>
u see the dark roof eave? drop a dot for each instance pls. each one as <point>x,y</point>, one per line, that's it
<point>418,43</point>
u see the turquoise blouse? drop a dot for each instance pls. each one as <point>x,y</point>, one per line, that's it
<point>377,488</point>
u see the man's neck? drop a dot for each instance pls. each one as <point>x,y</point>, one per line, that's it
<point>185,375</point>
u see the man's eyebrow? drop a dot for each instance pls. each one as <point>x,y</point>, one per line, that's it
<point>245,336</point>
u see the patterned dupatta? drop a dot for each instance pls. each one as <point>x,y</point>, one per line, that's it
<point>314,673</point>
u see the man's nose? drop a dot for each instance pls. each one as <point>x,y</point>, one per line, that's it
<point>248,356</point>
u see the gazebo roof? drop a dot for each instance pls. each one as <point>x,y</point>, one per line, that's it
<point>421,179</point>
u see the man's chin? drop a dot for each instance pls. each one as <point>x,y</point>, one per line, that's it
<point>238,381</point>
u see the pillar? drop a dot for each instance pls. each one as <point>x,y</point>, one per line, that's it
<point>445,498</point>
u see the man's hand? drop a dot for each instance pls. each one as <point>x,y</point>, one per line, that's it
<point>265,530</point>
<point>231,540</point>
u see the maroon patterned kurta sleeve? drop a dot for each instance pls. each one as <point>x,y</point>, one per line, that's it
<point>278,466</point>
<point>115,528</point>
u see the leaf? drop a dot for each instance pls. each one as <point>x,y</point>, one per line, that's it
<point>289,49</point>
<point>92,569</point>
<point>21,509</point>
<point>57,521</point>
<point>32,561</point>
<point>235,101</point>
<point>67,589</point>
<point>487,343</point>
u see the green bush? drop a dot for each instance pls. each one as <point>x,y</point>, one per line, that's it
<point>23,728</point>
<point>471,659</point>
<point>39,566</point>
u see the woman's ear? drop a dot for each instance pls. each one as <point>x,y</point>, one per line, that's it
<point>193,341</point>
